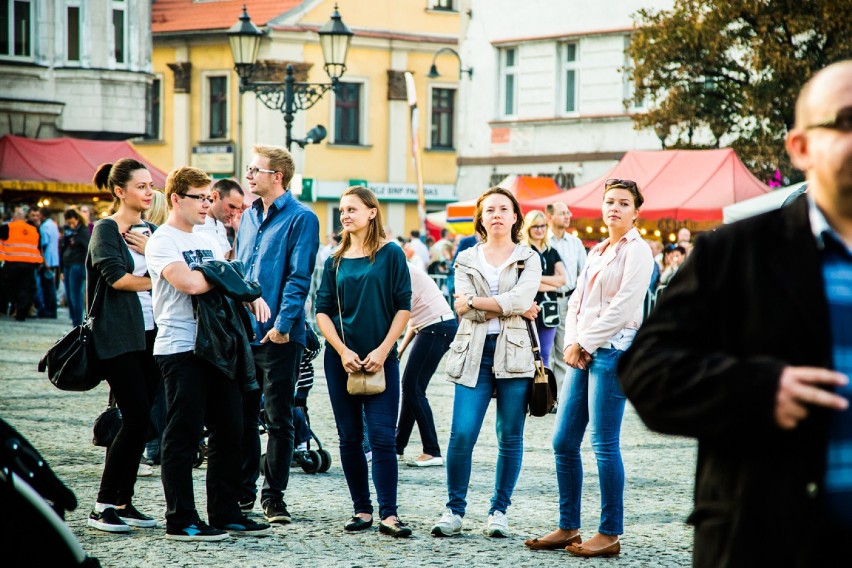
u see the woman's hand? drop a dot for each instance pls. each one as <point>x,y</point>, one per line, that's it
<point>136,241</point>
<point>461,304</point>
<point>375,360</point>
<point>349,359</point>
<point>260,309</point>
<point>577,357</point>
<point>532,313</point>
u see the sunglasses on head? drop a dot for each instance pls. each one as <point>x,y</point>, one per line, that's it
<point>842,121</point>
<point>615,182</point>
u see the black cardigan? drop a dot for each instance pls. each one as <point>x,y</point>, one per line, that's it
<point>118,325</point>
<point>748,301</point>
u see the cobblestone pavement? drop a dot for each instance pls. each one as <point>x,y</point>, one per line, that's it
<point>659,472</point>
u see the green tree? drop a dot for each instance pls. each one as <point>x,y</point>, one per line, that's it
<point>727,72</point>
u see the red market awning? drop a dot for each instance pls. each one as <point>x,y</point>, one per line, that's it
<point>61,165</point>
<point>681,185</point>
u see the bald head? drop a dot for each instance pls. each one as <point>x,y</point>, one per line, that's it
<point>813,104</point>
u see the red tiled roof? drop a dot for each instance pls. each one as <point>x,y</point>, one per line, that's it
<point>189,15</point>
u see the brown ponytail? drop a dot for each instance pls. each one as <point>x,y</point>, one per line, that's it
<point>109,176</point>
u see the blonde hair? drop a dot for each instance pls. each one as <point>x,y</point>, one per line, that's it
<point>375,230</point>
<point>530,220</point>
<point>159,211</point>
<point>280,160</point>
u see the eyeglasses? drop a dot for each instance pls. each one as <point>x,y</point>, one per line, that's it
<point>842,121</point>
<point>539,227</point>
<point>625,183</point>
<point>206,198</point>
<point>254,171</point>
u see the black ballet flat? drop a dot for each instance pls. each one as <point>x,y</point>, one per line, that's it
<point>358,524</point>
<point>396,530</point>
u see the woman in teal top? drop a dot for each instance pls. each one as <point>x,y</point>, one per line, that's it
<point>363,304</point>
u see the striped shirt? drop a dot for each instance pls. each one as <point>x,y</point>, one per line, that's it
<point>836,259</point>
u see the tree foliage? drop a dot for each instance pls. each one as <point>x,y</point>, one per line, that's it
<point>727,72</point>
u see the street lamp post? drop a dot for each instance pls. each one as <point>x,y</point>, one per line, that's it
<point>290,96</point>
<point>433,70</point>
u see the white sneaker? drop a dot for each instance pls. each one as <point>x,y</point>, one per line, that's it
<point>498,525</point>
<point>450,524</point>
<point>431,462</point>
<point>144,470</point>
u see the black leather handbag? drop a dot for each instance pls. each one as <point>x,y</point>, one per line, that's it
<point>544,390</point>
<point>71,363</point>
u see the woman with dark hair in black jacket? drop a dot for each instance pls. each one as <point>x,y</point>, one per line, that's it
<point>119,297</point>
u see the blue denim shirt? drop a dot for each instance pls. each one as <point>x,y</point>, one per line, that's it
<point>279,252</point>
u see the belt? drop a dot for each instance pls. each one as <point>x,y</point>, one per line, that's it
<point>443,318</point>
<point>562,294</point>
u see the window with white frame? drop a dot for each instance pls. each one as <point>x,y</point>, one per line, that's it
<point>629,84</point>
<point>570,77</point>
<point>509,81</point>
<point>443,118</point>
<point>119,31</point>
<point>154,118</point>
<point>73,25</point>
<point>448,5</point>
<point>216,106</point>
<point>348,111</point>
<point>16,28</point>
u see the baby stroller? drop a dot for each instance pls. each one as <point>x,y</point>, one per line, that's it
<point>310,460</point>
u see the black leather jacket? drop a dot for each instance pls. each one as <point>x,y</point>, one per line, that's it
<point>224,331</point>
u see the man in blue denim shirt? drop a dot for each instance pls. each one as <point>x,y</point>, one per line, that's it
<point>277,242</point>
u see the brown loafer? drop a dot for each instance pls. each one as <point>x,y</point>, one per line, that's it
<point>541,544</point>
<point>608,551</point>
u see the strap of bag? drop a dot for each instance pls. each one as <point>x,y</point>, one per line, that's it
<point>94,304</point>
<point>539,362</point>
<point>339,308</point>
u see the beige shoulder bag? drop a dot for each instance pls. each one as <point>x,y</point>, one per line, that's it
<point>360,382</point>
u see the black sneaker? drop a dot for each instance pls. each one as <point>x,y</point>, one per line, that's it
<point>108,520</point>
<point>131,515</point>
<point>246,527</point>
<point>197,531</point>
<point>246,504</point>
<point>275,511</point>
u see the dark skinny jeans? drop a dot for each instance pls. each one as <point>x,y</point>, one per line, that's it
<point>133,380</point>
<point>427,349</point>
<point>379,412</point>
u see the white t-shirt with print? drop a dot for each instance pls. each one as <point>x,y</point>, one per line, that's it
<point>172,309</point>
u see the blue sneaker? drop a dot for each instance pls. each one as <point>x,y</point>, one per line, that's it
<point>246,527</point>
<point>197,531</point>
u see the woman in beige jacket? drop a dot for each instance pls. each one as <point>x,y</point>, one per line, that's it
<point>603,315</point>
<point>491,354</point>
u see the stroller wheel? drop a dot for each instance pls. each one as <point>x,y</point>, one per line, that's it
<point>325,460</point>
<point>200,454</point>
<point>310,461</point>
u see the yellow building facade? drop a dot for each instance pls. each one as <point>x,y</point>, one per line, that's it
<point>201,118</point>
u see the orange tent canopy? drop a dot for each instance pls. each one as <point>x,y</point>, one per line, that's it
<point>63,165</point>
<point>524,188</point>
<point>677,184</point>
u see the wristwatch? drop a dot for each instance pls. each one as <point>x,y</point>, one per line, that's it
<point>470,302</point>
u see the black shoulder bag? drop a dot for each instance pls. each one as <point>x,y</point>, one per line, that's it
<point>72,364</point>
<point>544,390</point>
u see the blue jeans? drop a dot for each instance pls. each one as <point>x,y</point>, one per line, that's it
<point>591,395</point>
<point>427,349</point>
<point>75,280</point>
<point>469,406</point>
<point>379,413</point>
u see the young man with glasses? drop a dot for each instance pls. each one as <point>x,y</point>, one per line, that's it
<point>750,352</point>
<point>198,394</point>
<point>277,243</point>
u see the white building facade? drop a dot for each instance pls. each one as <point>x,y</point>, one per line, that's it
<point>80,68</point>
<point>548,91</point>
